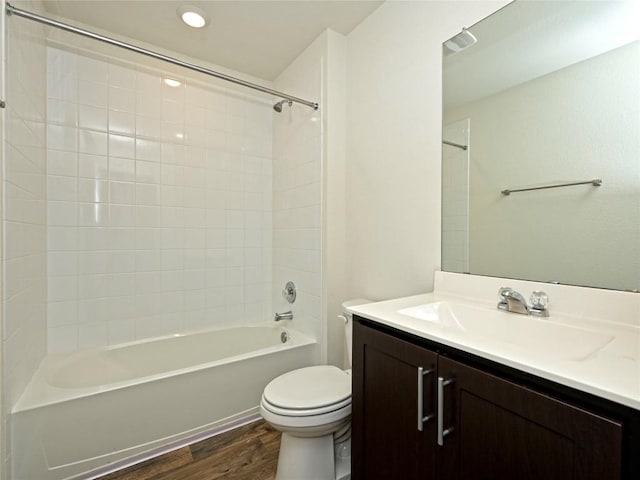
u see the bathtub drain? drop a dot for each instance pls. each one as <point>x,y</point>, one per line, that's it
<point>284,336</point>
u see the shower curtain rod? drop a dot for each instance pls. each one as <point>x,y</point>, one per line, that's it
<point>11,10</point>
<point>453,144</point>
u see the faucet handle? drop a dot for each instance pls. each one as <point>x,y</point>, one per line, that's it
<point>539,303</point>
<point>504,292</point>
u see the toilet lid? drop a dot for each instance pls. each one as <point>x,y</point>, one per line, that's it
<point>309,388</point>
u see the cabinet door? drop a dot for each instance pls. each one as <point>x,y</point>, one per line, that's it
<point>504,431</point>
<point>388,440</point>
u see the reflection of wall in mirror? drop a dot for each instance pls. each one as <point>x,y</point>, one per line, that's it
<point>578,123</point>
<point>455,198</point>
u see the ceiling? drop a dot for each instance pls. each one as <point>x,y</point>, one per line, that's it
<point>260,38</point>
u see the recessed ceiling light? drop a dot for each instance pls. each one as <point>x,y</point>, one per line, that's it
<point>171,82</point>
<point>193,16</point>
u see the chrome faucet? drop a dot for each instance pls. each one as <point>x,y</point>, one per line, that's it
<point>283,316</point>
<point>512,301</point>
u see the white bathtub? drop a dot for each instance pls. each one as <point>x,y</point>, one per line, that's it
<point>89,412</point>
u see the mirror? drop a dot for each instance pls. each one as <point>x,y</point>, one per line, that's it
<point>537,96</point>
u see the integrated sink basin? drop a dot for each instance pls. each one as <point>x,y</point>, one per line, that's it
<point>543,337</point>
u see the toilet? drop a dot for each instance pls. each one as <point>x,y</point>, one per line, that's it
<point>311,406</point>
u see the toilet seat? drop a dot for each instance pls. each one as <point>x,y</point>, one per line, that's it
<point>308,391</point>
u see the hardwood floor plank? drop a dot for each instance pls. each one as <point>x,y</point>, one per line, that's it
<point>148,469</point>
<point>249,452</point>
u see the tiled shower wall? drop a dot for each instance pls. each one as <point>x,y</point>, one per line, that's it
<point>159,203</point>
<point>297,179</point>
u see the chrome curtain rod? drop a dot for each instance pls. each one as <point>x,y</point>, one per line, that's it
<point>463,147</point>
<point>595,182</point>
<point>11,10</point>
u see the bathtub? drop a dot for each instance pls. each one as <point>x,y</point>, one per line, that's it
<point>90,412</point>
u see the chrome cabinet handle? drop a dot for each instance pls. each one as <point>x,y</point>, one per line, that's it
<point>442,432</point>
<point>421,417</point>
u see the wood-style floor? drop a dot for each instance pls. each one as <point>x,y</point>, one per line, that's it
<point>246,453</point>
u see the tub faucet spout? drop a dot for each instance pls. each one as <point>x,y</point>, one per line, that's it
<point>283,316</point>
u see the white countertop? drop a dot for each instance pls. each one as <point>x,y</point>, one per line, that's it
<point>612,372</point>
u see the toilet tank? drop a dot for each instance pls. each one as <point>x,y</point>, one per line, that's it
<point>348,324</point>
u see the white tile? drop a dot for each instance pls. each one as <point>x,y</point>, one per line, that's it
<point>62,163</point>
<point>195,157</point>
<point>92,166</point>
<point>216,238</point>
<point>121,261</point>
<point>172,154</point>
<point>172,174</point>
<point>92,262</point>
<point>62,138</point>
<point>120,331</point>
<point>91,70</point>
<point>92,335</point>
<point>194,197</point>
<point>122,122</point>
<point>122,99</point>
<point>62,263</point>
<point>93,214</point>
<point>147,216</point>
<point>148,126</point>
<point>62,213</point>
<point>148,261</point>
<point>92,142</point>
<point>146,82</point>
<point>121,238</point>
<point>148,172</point>
<point>62,112</point>
<point>92,190</point>
<point>121,146</point>
<point>122,193</point>
<point>148,282</point>
<point>172,132</point>
<point>172,280</point>
<point>62,339</point>
<point>172,111</point>
<point>148,104</point>
<point>62,313</point>
<point>147,194</point>
<point>62,288</point>
<point>62,188</point>
<point>121,215</point>
<point>148,150</point>
<point>176,94</point>
<point>93,118</point>
<point>121,169</point>
<point>120,76</point>
<point>92,93</point>
<point>62,238</point>
<point>148,238</point>
<point>93,238</point>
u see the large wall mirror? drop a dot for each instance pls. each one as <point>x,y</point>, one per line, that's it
<point>541,144</point>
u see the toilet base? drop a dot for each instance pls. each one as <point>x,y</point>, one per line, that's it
<point>310,458</point>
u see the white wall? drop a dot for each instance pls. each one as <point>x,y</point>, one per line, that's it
<point>159,203</point>
<point>578,123</point>
<point>394,132</point>
<point>24,212</point>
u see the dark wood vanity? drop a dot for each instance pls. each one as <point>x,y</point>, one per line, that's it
<point>497,423</point>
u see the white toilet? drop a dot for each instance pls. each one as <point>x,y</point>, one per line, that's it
<point>312,408</point>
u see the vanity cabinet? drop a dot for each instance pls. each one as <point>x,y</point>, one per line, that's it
<point>491,428</point>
